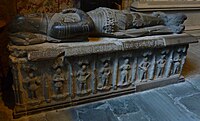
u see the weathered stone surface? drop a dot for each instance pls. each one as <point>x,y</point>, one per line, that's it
<point>162,108</point>
<point>189,7</point>
<point>196,81</point>
<point>74,25</point>
<point>122,107</point>
<point>103,45</point>
<point>106,115</point>
<point>191,103</point>
<point>60,75</point>
<point>180,90</point>
<point>171,103</point>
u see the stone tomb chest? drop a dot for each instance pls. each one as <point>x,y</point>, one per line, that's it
<point>56,75</point>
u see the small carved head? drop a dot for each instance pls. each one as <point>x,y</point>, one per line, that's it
<point>30,75</point>
<point>146,59</point>
<point>58,71</point>
<point>163,56</point>
<point>126,61</point>
<point>106,64</point>
<point>84,67</point>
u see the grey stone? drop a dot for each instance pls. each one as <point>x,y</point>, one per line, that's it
<point>195,81</point>
<point>70,73</point>
<point>192,103</point>
<point>159,107</point>
<point>123,106</point>
<point>74,25</point>
<point>135,116</point>
<point>179,90</point>
<point>177,102</point>
<point>98,105</point>
<point>97,115</point>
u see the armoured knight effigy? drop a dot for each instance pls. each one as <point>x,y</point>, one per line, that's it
<point>57,64</point>
<point>75,25</point>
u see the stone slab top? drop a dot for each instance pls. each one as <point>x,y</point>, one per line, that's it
<point>102,45</point>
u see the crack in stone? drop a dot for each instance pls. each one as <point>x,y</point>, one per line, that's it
<point>78,116</point>
<point>177,102</point>
<point>194,86</point>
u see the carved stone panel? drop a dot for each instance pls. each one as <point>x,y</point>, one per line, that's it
<point>69,80</point>
<point>32,83</point>
<point>104,74</point>
<point>81,76</point>
<point>59,80</point>
<point>144,66</point>
<point>124,71</point>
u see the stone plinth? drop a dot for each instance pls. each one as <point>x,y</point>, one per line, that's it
<point>49,76</point>
<point>189,7</point>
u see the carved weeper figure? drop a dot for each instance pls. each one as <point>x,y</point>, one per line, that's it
<point>58,80</point>
<point>144,66</point>
<point>82,80</point>
<point>75,25</point>
<point>176,64</point>
<point>125,77</point>
<point>105,75</point>
<point>161,65</point>
<point>32,84</point>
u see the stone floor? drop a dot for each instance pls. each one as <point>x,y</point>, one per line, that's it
<point>177,102</point>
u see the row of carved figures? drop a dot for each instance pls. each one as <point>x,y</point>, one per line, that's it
<point>165,61</point>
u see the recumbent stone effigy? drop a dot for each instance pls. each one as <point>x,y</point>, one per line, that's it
<point>57,64</point>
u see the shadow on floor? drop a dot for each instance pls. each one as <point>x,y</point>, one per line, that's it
<point>7,91</point>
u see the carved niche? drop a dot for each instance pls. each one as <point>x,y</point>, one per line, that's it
<point>105,76</point>
<point>59,80</point>
<point>143,67</point>
<point>32,83</point>
<point>125,73</point>
<point>183,52</point>
<point>161,63</point>
<point>82,78</point>
<point>178,60</point>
